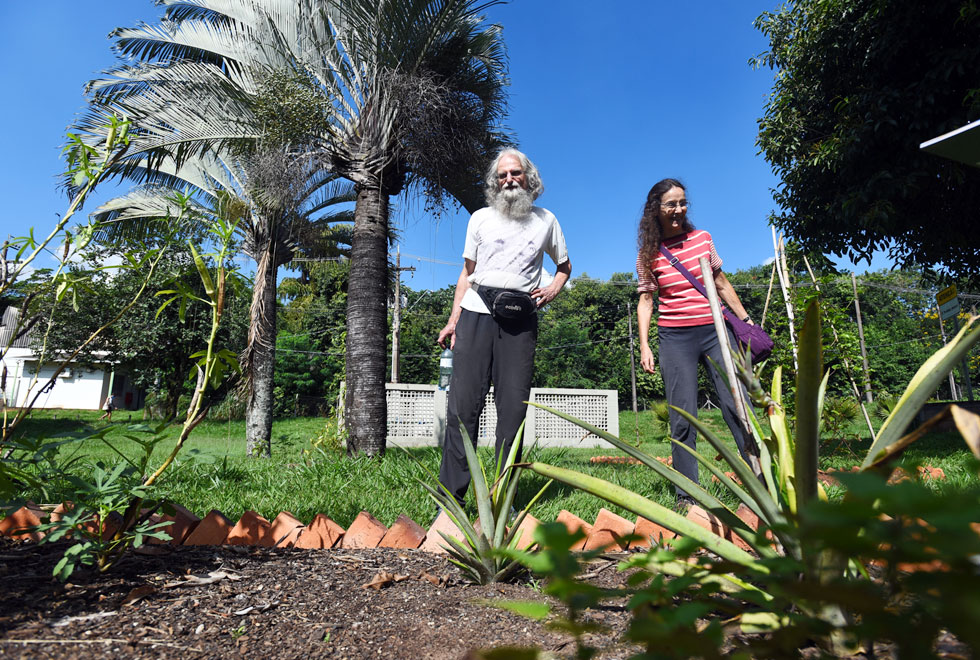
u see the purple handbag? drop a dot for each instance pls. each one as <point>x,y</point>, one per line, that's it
<point>747,335</point>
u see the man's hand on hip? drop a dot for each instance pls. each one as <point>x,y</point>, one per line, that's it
<point>543,296</point>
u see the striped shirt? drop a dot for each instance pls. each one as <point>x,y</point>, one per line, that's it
<point>680,305</point>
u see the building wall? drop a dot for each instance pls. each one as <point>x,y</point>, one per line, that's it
<point>74,388</point>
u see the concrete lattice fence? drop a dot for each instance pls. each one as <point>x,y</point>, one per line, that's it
<point>417,416</point>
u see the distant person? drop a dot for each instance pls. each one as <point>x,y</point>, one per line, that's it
<point>110,405</point>
<point>493,327</point>
<point>685,328</point>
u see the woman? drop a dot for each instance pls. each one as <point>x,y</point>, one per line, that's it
<point>685,328</point>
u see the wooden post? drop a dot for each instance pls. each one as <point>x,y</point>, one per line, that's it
<point>734,385</point>
<point>942,331</point>
<point>396,316</point>
<point>629,321</point>
<point>636,414</point>
<point>964,366</point>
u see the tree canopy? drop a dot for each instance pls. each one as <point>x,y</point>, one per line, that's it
<point>859,85</point>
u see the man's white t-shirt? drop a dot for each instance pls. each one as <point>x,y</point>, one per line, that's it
<point>509,253</point>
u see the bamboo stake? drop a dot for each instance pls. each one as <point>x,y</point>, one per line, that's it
<point>734,385</point>
<point>765,309</point>
<point>783,273</point>
<point>847,364</point>
<point>864,351</point>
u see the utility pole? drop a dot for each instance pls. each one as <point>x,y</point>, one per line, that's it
<point>864,352</point>
<point>396,317</point>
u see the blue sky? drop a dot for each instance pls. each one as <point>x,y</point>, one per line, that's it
<point>605,102</point>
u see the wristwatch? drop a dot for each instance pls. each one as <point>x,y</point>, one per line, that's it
<point>746,319</point>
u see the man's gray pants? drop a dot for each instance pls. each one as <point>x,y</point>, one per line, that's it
<point>681,349</point>
<point>486,351</point>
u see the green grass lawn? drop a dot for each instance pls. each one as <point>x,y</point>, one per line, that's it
<point>214,473</point>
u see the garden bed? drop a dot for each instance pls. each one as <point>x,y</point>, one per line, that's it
<point>231,602</point>
<point>234,601</point>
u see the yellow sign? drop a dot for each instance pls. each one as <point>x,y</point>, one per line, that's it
<point>946,295</point>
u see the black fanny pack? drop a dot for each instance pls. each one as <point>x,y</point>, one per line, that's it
<point>505,304</point>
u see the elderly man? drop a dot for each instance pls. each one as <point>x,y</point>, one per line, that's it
<point>493,327</point>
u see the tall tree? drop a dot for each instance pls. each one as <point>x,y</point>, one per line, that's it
<point>281,206</point>
<point>859,85</point>
<point>411,93</point>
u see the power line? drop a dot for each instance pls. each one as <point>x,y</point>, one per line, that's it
<point>584,343</point>
<point>433,261</point>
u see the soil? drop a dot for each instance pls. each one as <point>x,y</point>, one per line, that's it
<point>232,602</point>
<point>235,602</point>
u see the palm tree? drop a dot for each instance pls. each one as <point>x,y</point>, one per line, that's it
<point>411,93</point>
<point>406,93</point>
<point>282,210</point>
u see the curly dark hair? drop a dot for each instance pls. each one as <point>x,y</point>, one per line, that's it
<point>650,236</point>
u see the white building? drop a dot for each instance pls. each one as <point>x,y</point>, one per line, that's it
<point>24,380</point>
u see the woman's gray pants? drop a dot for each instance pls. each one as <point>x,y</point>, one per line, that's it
<point>681,349</point>
<point>486,351</point>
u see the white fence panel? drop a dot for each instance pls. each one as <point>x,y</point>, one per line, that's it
<point>417,416</point>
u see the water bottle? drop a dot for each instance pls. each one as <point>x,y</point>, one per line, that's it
<point>445,368</point>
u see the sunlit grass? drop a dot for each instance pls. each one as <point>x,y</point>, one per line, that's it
<point>214,473</point>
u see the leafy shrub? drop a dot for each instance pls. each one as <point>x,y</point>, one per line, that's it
<point>661,417</point>
<point>330,440</point>
<point>782,484</point>
<point>884,405</point>
<point>919,547</point>
<point>838,414</point>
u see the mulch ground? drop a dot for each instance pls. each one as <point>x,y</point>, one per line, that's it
<point>235,601</point>
<point>231,602</point>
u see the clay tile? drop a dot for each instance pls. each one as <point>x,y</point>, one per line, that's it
<point>283,531</point>
<point>16,524</point>
<point>572,523</point>
<point>405,533</point>
<point>249,530</point>
<point>212,530</point>
<point>433,540</point>
<point>652,534</point>
<point>365,532</point>
<point>608,530</point>
<point>322,532</point>
<point>525,532</point>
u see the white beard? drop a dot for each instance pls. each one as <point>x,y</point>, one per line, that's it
<point>514,203</point>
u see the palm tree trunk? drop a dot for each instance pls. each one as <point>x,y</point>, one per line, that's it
<point>365,411</point>
<point>260,356</point>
